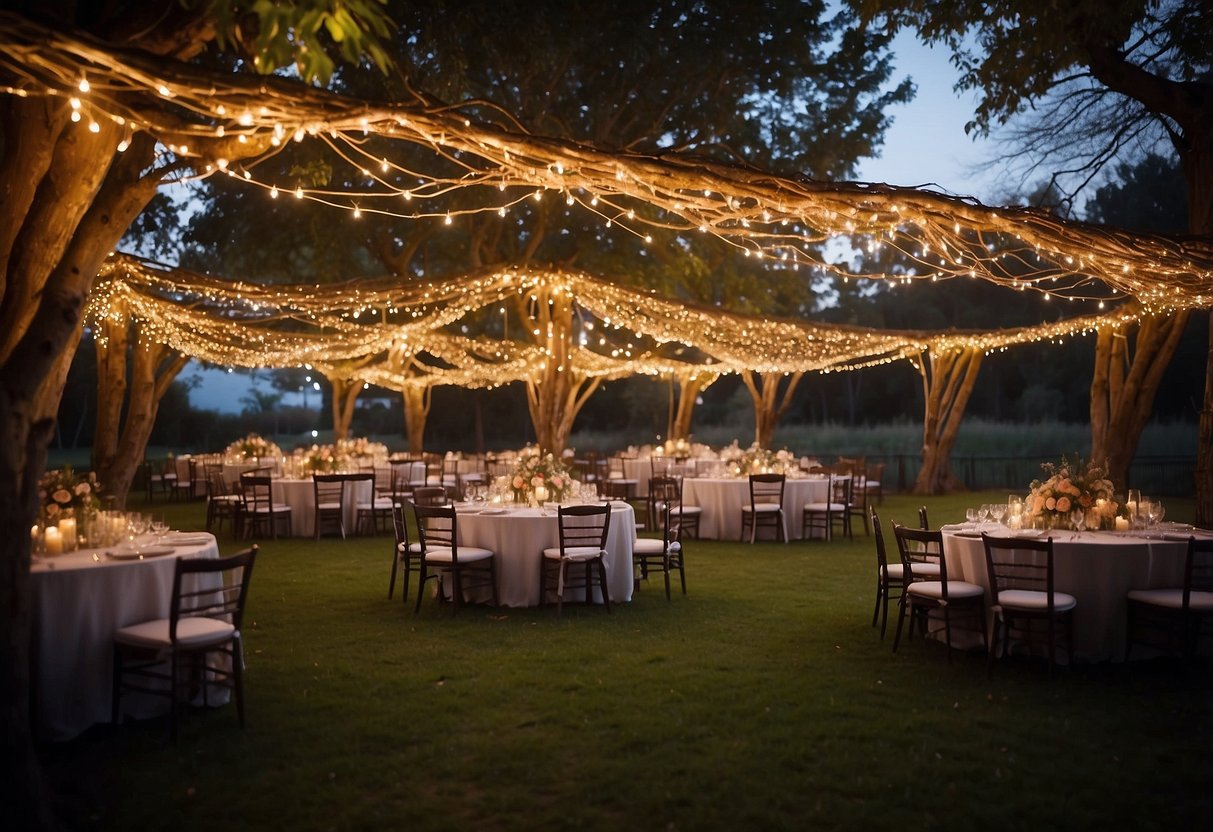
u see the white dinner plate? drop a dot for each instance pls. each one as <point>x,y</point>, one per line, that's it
<point>493,511</point>
<point>146,552</point>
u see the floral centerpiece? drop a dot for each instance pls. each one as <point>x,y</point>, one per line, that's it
<point>253,447</point>
<point>1072,485</point>
<point>539,478</point>
<point>320,459</point>
<point>674,447</point>
<point>756,460</point>
<point>65,490</point>
<point>361,449</point>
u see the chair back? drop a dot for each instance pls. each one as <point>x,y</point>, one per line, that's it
<point>437,528</point>
<point>662,466</point>
<point>204,599</point>
<point>840,490</point>
<point>921,546</point>
<point>215,483</point>
<point>584,526</point>
<point>1019,563</point>
<point>766,488</point>
<point>257,491</point>
<point>1198,569</point>
<point>922,518</point>
<point>882,555</point>
<point>329,489</point>
<point>665,491</point>
<point>429,495</point>
<point>400,525</point>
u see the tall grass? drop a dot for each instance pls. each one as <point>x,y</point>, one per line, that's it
<point>761,700</point>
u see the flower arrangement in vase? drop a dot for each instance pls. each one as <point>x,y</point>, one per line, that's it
<point>253,447</point>
<point>539,478</point>
<point>1070,486</point>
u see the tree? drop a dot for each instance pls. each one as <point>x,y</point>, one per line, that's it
<point>789,87</point>
<point>70,191</point>
<point>1100,80</point>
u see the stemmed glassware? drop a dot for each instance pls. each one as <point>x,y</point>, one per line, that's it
<point>971,514</point>
<point>136,526</point>
<point>1079,518</point>
<point>997,512</point>
<point>159,527</point>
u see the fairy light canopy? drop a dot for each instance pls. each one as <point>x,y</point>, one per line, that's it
<point>227,124</point>
<point>399,334</point>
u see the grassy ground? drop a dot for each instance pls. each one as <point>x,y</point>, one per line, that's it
<point>763,699</point>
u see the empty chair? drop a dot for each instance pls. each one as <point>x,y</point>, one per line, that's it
<point>406,555</point>
<point>1179,614</point>
<point>221,504</point>
<point>765,507</point>
<point>374,508</point>
<point>889,577</point>
<point>873,480</point>
<point>664,553</point>
<point>467,567</point>
<point>429,495</point>
<point>834,511</point>
<point>583,535</point>
<point>1020,575</point>
<point>329,494</point>
<point>667,491</point>
<point>926,593</point>
<point>204,619</point>
<point>259,514</point>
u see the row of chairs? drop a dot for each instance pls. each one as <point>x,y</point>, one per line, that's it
<point>1020,576</point>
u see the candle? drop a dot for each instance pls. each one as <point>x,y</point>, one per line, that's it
<point>35,538</point>
<point>541,494</point>
<point>1122,524</point>
<point>67,531</point>
<point>54,541</point>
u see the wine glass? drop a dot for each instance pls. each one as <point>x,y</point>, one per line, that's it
<point>997,512</point>
<point>136,527</point>
<point>971,515</point>
<point>159,526</point>
<point>1079,518</point>
<point>983,513</point>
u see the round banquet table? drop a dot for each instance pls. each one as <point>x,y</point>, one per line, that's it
<point>300,495</point>
<point>78,600</point>
<point>518,536</point>
<point>722,498</point>
<point>1097,568</point>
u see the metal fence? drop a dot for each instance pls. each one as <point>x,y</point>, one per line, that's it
<point>1165,476</point>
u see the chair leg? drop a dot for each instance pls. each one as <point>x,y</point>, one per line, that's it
<point>606,595</point>
<point>116,687</point>
<point>902,603</point>
<point>238,677</point>
<point>391,585</point>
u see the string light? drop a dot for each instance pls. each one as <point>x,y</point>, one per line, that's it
<point>785,220</point>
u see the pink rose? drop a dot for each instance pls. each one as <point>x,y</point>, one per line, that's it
<point>557,482</point>
<point>1038,504</point>
<point>1063,504</point>
<point>519,484</point>
<point>52,509</point>
<point>62,496</point>
<point>1050,504</point>
<point>82,488</point>
<point>537,480</point>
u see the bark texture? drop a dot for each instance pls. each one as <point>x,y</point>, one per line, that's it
<point>769,403</point>
<point>947,383</point>
<point>690,385</point>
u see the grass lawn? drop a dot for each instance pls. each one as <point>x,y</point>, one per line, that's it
<point>762,699</point>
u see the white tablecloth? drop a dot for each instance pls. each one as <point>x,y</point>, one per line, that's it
<point>1097,568</point>
<point>78,603</point>
<point>722,499</point>
<point>518,538</point>
<point>300,495</point>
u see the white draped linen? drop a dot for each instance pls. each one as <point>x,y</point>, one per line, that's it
<point>1097,568</point>
<point>722,498</point>
<point>518,536</point>
<point>78,602</point>
<point>300,495</point>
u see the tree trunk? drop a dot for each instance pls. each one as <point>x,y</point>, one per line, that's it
<point>416,411</point>
<point>769,404</point>
<point>690,385</point>
<point>345,399</point>
<point>1124,385</point>
<point>1198,171</point>
<point>558,392</point>
<point>121,443</point>
<point>947,383</point>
